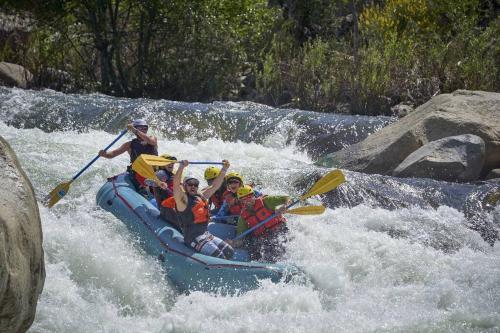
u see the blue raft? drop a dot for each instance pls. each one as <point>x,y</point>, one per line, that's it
<point>187,269</point>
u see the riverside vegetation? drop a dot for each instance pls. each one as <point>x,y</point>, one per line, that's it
<point>356,56</point>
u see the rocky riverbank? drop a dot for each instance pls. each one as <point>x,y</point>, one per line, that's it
<point>452,137</point>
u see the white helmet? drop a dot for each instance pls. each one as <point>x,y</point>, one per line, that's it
<point>188,178</point>
<point>139,122</point>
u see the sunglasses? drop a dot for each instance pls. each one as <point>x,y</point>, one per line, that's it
<point>140,128</point>
<point>193,184</point>
<point>233,181</point>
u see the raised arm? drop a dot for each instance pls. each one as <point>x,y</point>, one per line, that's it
<point>150,139</point>
<point>180,196</point>
<point>210,190</point>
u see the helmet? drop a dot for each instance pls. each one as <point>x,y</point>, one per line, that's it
<point>162,175</point>
<point>169,157</point>
<point>233,175</point>
<point>139,122</point>
<point>244,191</point>
<point>211,172</point>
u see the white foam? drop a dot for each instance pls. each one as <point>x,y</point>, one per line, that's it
<point>407,270</point>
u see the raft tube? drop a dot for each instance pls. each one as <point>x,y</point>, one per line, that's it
<point>186,268</point>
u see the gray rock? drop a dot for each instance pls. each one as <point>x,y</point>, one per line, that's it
<point>462,112</point>
<point>494,174</point>
<point>455,158</point>
<point>22,270</point>
<point>401,110</point>
<point>14,75</point>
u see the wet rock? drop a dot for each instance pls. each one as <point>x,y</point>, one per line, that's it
<point>14,75</point>
<point>455,158</point>
<point>493,174</point>
<point>22,270</point>
<point>462,112</point>
<point>401,110</point>
<point>477,201</point>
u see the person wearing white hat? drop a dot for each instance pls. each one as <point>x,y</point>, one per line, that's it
<point>141,144</point>
<point>194,213</point>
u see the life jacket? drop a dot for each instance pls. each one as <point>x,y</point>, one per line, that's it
<point>138,147</point>
<point>197,210</point>
<point>169,213</point>
<point>258,214</point>
<point>169,203</point>
<point>217,199</point>
<point>233,203</point>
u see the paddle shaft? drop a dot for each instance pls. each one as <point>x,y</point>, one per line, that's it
<point>243,234</point>
<point>219,163</point>
<point>97,157</point>
<point>224,217</point>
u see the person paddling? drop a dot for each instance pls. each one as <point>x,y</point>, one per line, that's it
<point>265,243</point>
<point>141,144</point>
<point>194,215</point>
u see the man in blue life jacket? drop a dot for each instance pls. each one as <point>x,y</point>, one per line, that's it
<point>141,144</point>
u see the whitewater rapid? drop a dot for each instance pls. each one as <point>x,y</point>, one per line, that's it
<point>369,269</point>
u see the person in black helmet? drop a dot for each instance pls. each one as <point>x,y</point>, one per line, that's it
<point>141,144</point>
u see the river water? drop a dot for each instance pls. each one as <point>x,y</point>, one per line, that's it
<point>373,265</point>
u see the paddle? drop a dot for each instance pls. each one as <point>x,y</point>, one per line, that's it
<point>325,184</point>
<point>60,190</point>
<point>306,210</point>
<point>144,164</point>
<point>224,217</point>
<point>154,160</point>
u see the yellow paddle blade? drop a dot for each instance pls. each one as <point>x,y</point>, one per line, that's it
<point>154,160</point>
<point>307,210</point>
<point>143,168</point>
<point>57,193</point>
<point>327,183</point>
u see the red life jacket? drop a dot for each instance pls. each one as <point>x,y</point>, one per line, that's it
<point>234,205</point>
<point>140,179</point>
<point>260,213</point>
<point>217,199</point>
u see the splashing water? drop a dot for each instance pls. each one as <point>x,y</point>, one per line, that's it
<point>371,269</point>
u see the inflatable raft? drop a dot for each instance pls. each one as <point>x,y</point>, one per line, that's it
<point>187,269</point>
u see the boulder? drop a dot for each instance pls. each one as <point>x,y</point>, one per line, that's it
<point>455,158</point>
<point>22,270</point>
<point>493,174</point>
<point>14,75</point>
<point>462,112</point>
<point>401,110</point>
